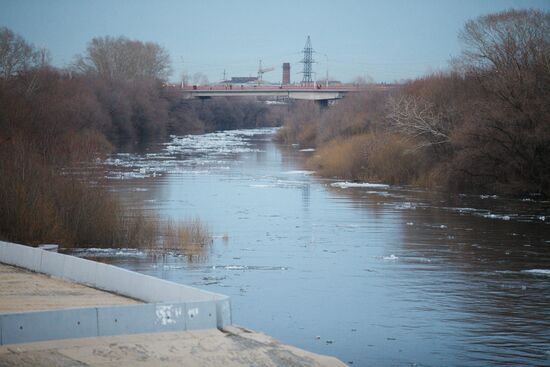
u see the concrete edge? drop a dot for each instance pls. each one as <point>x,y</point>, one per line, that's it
<point>165,296</point>
<point>73,323</point>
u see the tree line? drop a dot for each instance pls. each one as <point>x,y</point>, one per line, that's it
<point>482,126</point>
<point>112,96</point>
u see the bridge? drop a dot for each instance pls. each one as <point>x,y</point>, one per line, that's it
<point>319,93</point>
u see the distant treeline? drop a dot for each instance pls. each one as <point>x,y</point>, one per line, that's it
<point>483,126</point>
<point>112,96</point>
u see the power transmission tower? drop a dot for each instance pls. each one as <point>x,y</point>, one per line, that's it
<point>308,63</point>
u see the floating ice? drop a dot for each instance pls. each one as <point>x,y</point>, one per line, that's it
<point>298,172</point>
<point>184,153</point>
<point>391,257</point>
<point>261,186</point>
<point>346,184</point>
<point>108,252</point>
<point>307,150</point>
<point>248,267</point>
<point>405,205</point>
<point>541,272</point>
<point>496,216</point>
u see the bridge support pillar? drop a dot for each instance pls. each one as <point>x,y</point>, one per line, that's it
<point>323,103</point>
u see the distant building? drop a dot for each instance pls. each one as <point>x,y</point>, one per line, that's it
<point>243,79</point>
<point>286,73</point>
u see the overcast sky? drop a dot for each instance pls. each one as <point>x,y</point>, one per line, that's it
<point>386,40</point>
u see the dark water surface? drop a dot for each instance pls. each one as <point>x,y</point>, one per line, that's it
<point>374,275</point>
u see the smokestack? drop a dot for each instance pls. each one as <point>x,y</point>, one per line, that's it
<point>286,73</point>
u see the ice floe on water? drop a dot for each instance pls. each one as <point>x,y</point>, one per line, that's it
<point>495,216</point>
<point>537,272</point>
<point>346,185</point>
<point>107,252</point>
<point>486,213</point>
<point>392,257</point>
<point>184,154</point>
<point>405,205</point>
<point>307,150</point>
<point>248,267</point>
<point>220,143</point>
<point>299,172</point>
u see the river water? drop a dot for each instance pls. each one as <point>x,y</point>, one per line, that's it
<point>372,274</point>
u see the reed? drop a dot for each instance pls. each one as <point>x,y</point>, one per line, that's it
<point>191,237</point>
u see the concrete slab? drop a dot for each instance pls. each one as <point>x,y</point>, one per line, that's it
<point>52,264</point>
<point>79,270</point>
<point>120,320</point>
<point>233,347</point>
<point>200,315</point>
<point>22,256</point>
<point>22,290</point>
<point>48,325</point>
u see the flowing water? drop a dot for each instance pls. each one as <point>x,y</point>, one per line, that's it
<point>372,274</point>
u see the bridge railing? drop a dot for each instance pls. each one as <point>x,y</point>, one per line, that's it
<point>229,87</point>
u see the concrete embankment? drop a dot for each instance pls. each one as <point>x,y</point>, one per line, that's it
<point>58,310</point>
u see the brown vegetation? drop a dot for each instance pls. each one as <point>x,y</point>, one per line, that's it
<point>51,119</point>
<point>191,238</point>
<point>484,126</point>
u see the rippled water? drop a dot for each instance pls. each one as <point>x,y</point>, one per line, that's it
<point>372,274</point>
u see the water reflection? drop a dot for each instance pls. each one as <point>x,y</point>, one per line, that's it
<point>373,275</point>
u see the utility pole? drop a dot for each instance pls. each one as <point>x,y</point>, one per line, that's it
<point>326,82</point>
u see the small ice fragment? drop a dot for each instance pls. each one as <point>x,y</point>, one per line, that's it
<point>545,272</point>
<point>443,226</point>
<point>346,184</point>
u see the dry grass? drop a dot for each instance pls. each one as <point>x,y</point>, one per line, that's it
<point>41,206</point>
<point>375,156</point>
<point>191,237</point>
<point>342,158</point>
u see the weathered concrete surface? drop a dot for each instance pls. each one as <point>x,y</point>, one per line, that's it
<point>234,346</point>
<point>22,290</point>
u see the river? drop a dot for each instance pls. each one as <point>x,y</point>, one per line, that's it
<point>372,274</point>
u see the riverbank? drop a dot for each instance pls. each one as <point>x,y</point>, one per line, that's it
<point>53,120</point>
<point>480,127</point>
<point>232,347</point>
<point>374,275</point>
<point>45,321</point>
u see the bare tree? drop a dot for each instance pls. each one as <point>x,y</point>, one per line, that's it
<point>200,79</point>
<point>16,55</point>
<point>508,53</point>
<point>419,119</point>
<point>123,59</point>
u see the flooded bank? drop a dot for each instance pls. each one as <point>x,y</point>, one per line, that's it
<point>369,273</point>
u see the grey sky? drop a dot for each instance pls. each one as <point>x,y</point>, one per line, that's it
<point>385,39</point>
